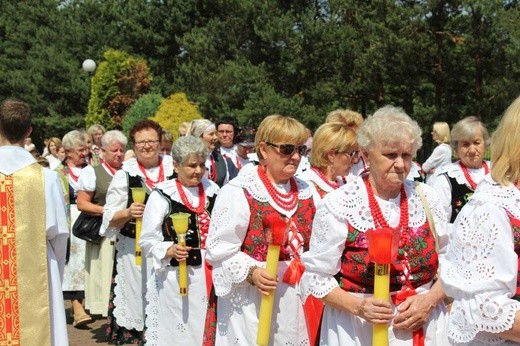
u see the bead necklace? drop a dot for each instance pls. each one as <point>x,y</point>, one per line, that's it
<point>470,181</point>
<point>148,181</point>
<point>212,174</point>
<point>286,201</point>
<point>377,214</point>
<point>202,198</point>
<point>109,168</point>
<point>323,177</point>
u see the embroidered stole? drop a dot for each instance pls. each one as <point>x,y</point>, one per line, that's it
<point>24,292</point>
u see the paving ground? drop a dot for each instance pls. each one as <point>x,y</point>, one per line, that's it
<point>92,335</point>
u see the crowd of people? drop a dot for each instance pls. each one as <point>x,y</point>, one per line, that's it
<point>317,205</point>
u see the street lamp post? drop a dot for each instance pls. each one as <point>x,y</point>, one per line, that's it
<point>89,65</point>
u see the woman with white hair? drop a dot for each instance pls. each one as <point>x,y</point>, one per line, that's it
<point>94,182</point>
<point>218,169</point>
<point>191,193</point>
<point>75,145</point>
<point>338,268</point>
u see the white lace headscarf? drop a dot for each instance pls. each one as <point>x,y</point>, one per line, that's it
<point>200,126</point>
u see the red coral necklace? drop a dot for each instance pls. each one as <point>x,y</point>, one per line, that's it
<point>470,181</point>
<point>202,198</point>
<point>148,181</point>
<point>377,214</point>
<point>286,201</point>
<point>333,184</point>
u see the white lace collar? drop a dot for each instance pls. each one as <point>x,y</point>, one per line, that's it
<point>350,203</point>
<point>453,170</point>
<point>132,168</point>
<point>169,188</point>
<point>310,175</point>
<point>248,179</point>
<point>508,197</point>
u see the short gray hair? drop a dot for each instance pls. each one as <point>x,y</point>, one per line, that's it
<point>389,124</point>
<point>73,138</point>
<point>113,136</point>
<point>465,129</point>
<point>95,127</point>
<point>186,146</point>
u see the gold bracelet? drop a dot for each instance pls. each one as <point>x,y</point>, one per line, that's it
<point>249,277</point>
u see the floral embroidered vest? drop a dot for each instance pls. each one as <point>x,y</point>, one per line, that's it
<point>515,225</point>
<point>320,191</point>
<point>460,194</point>
<point>357,272</point>
<point>197,233</point>
<point>254,243</point>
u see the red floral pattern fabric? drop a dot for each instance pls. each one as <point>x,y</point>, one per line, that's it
<point>254,243</point>
<point>417,247</point>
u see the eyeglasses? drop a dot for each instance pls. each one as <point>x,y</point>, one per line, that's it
<point>141,144</point>
<point>289,149</point>
<point>351,154</point>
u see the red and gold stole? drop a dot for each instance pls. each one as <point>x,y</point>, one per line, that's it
<point>24,291</point>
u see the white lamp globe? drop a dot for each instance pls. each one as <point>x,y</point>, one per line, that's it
<point>89,65</point>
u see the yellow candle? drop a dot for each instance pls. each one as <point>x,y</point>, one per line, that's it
<point>138,195</point>
<point>266,306</point>
<point>180,225</point>
<point>381,291</point>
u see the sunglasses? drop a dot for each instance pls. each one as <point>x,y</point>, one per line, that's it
<point>352,154</point>
<point>289,149</point>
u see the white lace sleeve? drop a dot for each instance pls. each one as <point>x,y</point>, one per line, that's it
<point>229,224</point>
<point>152,240</point>
<point>116,199</point>
<point>323,260</point>
<point>479,271</point>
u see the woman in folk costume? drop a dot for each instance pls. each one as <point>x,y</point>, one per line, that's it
<point>441,154</point>
<point>457,181</point>
<point>147,169</point>
<point>218,168</point>
<point>481,268</point>
<point>69,170</point>
<point>170,316</point>
<point>237,242</point>
<point>94,182</point>
<point>334,151</point>
<point>337,266</point>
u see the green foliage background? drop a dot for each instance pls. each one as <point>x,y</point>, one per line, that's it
<point>440,60</point>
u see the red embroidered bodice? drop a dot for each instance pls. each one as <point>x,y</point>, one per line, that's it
<point>515,226</point>
<point>357,272</point>
<point>254,243</point>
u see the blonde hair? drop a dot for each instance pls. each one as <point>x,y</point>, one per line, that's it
<point>331,137</point>
<point>280,129</point>
<point>442,129</point>
<point>350,118</point>
<point>505,146</point>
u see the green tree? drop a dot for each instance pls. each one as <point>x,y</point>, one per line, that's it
<point>175,110</point>
<point>145,107</point>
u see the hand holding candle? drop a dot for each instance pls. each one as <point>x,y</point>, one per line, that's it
<point>382,249</point>
<point>276,229</point>
<point>138,195</point>
<point>180,225</point>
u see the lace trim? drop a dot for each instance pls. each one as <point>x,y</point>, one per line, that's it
<point>152,311</point>
<point>453,170</point>
<point>507,197</point>
<point>124,319</point>
<point>316,285</point>
<point>493,317</point>
<point>170,188</point>
<point>232,272</point>
<point>132,168</point>
<point>310,176</point>
<point>248,179</point>
<point>350,203</point>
